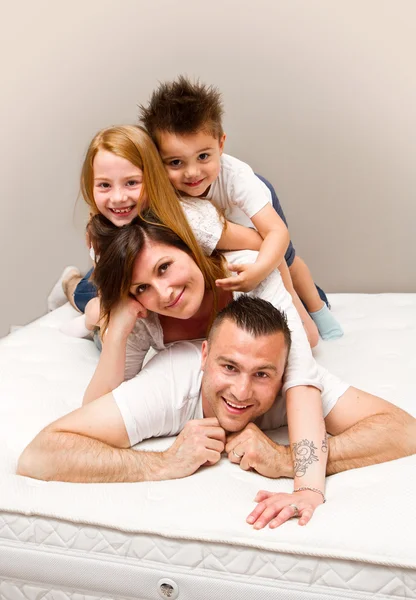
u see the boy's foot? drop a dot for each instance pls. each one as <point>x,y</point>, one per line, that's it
<point>57,296</point>
<point>76,327</point>
<point>328,326</point>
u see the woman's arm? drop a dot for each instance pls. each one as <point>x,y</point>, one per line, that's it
<point>110,371</point>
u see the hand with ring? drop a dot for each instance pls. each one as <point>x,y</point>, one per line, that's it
<point>252,449</point>
<point>240,456</point>
<point>275,509</point>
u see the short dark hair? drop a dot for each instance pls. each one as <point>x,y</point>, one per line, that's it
<point>254,315</point>
<point>183,107</point>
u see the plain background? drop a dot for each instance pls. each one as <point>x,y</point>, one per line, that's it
<point>320,98</point>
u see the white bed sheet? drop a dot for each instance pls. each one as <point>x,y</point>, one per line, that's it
<point>364,527</point>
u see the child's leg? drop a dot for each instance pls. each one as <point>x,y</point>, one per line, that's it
<point>83,325</point>
<point>313,297</point>
<point>308,324</point>
<point>92,314</point>
<point>304,285</point>
<point>58,296</point>
<point>69,285</point>
<point>82,292</point>
<point>328,326</point>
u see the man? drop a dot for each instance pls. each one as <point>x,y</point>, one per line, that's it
<point>221,409</point>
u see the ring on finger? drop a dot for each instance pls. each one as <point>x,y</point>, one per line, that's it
<point>296,511</point>
<point>238,455</point>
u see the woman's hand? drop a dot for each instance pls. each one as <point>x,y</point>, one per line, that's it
<point>276,509</point>
<point>124,315</point>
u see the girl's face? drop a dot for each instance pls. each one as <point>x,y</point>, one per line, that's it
<point>167,281</point>
<point>118,187</point>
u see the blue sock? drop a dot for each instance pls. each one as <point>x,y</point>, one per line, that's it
<point>328,326</point>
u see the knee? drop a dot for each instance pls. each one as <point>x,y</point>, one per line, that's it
<point>92,312</point>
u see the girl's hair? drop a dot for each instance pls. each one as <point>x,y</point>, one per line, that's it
<point>117,249</point>
<point>135,145</point>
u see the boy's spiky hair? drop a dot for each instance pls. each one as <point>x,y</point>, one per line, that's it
<point>182,107</point>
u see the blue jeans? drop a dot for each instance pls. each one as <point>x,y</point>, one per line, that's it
<point>84,292</point>
<point>290,252</point>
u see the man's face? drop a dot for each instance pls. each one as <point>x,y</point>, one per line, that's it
<point>242,375</point>
<point>192,161</point>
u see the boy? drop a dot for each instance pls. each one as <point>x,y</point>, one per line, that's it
<point>185,121</point>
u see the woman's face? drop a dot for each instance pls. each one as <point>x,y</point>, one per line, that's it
<point>118,188</point>
<point>167,281</point>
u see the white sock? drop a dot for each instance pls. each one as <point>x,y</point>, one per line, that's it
<point>57,296</point>
<point>76,327</point>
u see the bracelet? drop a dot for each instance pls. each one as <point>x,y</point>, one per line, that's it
<point>311,489</point>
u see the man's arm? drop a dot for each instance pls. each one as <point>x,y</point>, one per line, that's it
<point>91,445</point>
<point>367,430</point>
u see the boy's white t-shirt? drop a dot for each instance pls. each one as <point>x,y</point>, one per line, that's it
<point>238,192</point>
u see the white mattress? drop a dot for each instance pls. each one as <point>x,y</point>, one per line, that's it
<point>60,540</point>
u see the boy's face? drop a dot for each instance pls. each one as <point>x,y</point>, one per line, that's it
<point>192,161</point>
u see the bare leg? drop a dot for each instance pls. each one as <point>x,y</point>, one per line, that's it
<point>305,285</point>
<point>57,296</point>
<point>308,324</point>
<point>92,314</point>
<point>328,326</point>
<point>69,285</point>
<point>83,325</point>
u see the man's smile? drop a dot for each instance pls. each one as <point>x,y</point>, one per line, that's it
<point>234,408</point>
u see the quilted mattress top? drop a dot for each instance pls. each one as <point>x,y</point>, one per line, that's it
<point>369,515</point>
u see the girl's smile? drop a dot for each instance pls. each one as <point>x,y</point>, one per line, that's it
<point>118,188</point>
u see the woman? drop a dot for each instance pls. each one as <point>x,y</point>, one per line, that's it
<point>146,271</point>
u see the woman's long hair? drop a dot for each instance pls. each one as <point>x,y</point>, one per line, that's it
<point>135,145</point>
<point>117,249</point>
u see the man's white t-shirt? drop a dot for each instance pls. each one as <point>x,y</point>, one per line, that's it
<point>166,394</point>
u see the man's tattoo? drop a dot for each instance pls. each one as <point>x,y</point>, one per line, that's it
<point>303,456</point>
<point>324,446</point>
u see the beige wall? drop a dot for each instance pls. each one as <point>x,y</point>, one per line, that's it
<point>320,97</point>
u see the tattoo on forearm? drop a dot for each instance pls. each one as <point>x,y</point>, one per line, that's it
<point>303,456</point>
<point>324,446</point>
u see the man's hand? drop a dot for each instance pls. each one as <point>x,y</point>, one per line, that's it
<point>276,509</point>
<point>249,277</point>
<point>252,449</point>
<point>199,443</point>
